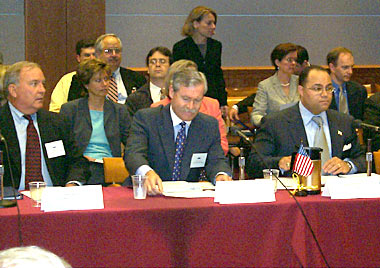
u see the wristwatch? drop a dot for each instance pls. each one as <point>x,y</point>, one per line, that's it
<point>349,166</point>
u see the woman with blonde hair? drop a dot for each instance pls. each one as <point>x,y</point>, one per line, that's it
<point>198,46</point>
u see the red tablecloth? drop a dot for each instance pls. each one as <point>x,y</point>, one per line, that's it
<point>163,232</point>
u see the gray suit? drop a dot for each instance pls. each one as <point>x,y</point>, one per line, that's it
<point>151,142</point>
<point>281,133</point>
<point>270,97</point>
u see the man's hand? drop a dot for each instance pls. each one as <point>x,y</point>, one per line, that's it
<point>233,114</point>
<point>224,111</point>
<point>153,183</point>
<point>284,163</point>
<point>336,166</point>
<point>223,177</point>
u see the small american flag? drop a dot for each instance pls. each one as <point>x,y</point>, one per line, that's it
<point>303,165</point>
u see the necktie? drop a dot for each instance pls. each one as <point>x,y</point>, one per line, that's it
<point>343,108</point>
<point>32,154</point>
<point>320,139</point>
<point>112,90</point>
<point>179,147</point>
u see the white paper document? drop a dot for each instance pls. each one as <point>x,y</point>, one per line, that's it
<point>186,189</point>
<point>245,191</point>
<point>352,186</point>
<point>72,198</point>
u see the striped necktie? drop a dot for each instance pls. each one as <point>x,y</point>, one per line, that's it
<point>343,107</point>
<point>179,147</point>
<point>112,90</point>
<point>320,139</point>
<point>32,154</point>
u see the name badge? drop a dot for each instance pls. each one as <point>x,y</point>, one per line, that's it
<point>198,160</point>
<point>55,149</point>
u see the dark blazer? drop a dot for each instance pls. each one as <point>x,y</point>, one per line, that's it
<point>372,116</point>
<point>356,96</point>
<point>139,99</point>
<point>50,129</point>
<point>132,80</point>
<point>281,134</point>
<point>210,65</point>
<point>77,120</point>
<point>151,142</point>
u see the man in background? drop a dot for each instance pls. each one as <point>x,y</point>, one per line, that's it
<point>108,47</point>
<point>68,87</point>
<point>349,96</point>
<point>158,62</point>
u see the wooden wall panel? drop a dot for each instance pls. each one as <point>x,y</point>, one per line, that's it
<point>52,29</point>
<point>45,38</point>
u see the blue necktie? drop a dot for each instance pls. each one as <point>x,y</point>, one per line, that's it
<point>179,147</point>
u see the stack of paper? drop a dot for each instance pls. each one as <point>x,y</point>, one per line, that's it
<point>186,189</point>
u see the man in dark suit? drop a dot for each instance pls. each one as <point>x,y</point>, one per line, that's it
<point>151,147</point>
<point>158,62</point>
<point>24,87</point>
<point>341,62</point>
<point>282,132</point>
<point>108,47</point>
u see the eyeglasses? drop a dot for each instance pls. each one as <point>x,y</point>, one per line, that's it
<point>154,61</point>
<point>319,89</point>
<point>110,51</point>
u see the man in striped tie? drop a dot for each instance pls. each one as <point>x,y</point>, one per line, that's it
<point>108,47</point>
<point>309,122</point>
<point>34,136</point>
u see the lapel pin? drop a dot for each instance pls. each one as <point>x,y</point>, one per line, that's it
<point>340,133</point>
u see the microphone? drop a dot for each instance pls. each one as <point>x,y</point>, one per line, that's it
<point>360,124</point>
<point>2,139</point>
<point>238,132</point>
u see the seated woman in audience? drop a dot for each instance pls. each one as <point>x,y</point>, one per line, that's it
<point>3,69</point>
<point>206,52</point>
<point>280,90</point>
<point>209,106</point>
<point>97,126</point>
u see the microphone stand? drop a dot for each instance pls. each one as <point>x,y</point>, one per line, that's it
<point>242,135</point>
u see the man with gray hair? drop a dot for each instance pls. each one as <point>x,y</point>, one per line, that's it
<point>175,142</point>
<point>35,136</point>
<point>108,47</point>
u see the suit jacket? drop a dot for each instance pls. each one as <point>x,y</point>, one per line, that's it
<point>77,119</point>
<point>270,97</point>
<point>132,80</point>
<point>210,65</point>
<point>50,129</point>
<point>210,107</point>
<point>139,99</point>
<point>356,96</point>
<point>77,122</point>
<point>372,116</point>
<point>151,142</point>
<point>281,133</point>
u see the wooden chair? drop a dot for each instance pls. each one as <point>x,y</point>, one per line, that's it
<point>376,158</point>
<point>115,171</point>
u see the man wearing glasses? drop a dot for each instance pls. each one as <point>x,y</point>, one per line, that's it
<point>108,47</point>
<point>158,62</point>
<point>309,122</point>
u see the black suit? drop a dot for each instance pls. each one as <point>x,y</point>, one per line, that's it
<point>151,142</point>
<point>50,129</point>
<point>139,99</point>
<point>132,80</point>
<point>372,116</point>
<point>210,65</point>
<point>282,132</point>
<point>356,96</point>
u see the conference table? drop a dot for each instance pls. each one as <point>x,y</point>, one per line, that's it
<point>174,232</point>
